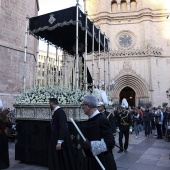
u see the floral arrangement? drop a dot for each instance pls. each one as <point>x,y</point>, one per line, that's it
<point>41,95</point>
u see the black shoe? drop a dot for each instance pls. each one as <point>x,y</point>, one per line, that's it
<point>125,150</point>
<point>120,151</point>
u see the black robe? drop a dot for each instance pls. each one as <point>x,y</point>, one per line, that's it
<point>104,131</point>
<point>4,153</point>
<point>63,159</point>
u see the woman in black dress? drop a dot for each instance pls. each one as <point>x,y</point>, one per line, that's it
<point>4,154</point>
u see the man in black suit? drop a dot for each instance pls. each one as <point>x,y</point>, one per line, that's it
<point>100,139</point>
<point>60,148</point>
<point>110,116</point>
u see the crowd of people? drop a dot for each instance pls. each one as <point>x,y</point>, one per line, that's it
<point>151,120</point>
<point>100,131</point>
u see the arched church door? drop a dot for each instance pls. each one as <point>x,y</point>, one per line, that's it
<point>129,94</point>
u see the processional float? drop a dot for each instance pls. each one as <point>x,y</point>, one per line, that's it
<point>70,30</point>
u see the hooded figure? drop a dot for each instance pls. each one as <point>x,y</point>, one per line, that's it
<point>103,102</point>
<point>125,103</point>
<point>101,96</point>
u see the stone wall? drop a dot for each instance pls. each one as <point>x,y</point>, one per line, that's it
<point>145,27</point>
<point>13,15</point>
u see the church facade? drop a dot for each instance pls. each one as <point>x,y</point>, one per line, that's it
<point>12,39</point>
<point>139,33</point>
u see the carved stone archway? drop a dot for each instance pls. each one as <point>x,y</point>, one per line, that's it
<point>134,82</point>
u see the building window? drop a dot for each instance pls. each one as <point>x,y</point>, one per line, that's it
<point>43,82</point>
<point>114,6</point>
<point>39,64</point>
<point>125,40</point>
<point>123,5</point>
<point>133,5</point>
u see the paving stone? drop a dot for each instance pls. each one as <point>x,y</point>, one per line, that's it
<point>148,154</point>
<point>124,164</point>
<point>141,166</point>
<point>154,151</point>
<point>154,157</point>
<point>164,163</point>
<point>165,156</point>
<point>129,158</point>
<point>146,161</point>
<point>122,169</point>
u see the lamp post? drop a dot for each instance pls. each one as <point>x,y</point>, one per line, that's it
<point>168,93</point>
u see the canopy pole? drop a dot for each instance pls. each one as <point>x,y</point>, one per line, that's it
<point>56,68</point>
<point>36,75</point>
<point>53,71</point>
<point>59,69</point>
<point>99,76</point>
<point>77,45</point>
<point>25,52</point>
<point>62,70</point>
<point>47,64</point>
<point>105,62</point>
<point>108,64</point>
<point>93,58</point>
<point>65,69</point>
<point>85,63</point>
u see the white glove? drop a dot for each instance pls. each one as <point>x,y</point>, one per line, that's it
<point>14,127</point>
<point>118,130</point>
<point>130,130</point>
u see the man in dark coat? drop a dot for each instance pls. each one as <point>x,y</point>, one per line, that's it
<point>100,139</point>
<point>61,155</point>
<point>110,116</point>
<point>147,117</point>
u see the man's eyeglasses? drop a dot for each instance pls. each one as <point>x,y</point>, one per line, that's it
<point>83,104</point>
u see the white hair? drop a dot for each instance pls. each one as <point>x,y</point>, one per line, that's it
<point>91,101</point>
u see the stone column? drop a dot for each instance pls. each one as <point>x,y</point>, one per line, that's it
<point>128,5</point>
<point>118,5</point>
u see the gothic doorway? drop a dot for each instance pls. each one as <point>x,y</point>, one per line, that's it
<point>129,94</point>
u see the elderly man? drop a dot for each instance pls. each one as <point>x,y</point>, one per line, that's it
<point>100,139</point>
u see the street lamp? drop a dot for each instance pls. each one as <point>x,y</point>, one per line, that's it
<point>168,93</point>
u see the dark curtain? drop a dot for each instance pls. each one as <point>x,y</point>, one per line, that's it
<point>33,139</point>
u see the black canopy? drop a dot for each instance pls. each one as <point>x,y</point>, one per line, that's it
<point>59,28</point>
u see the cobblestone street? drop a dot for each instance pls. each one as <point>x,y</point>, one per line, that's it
<point>143,154</point>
